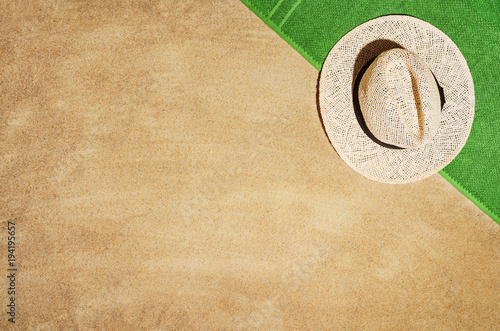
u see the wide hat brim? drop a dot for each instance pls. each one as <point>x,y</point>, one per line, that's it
<point>337,78</point>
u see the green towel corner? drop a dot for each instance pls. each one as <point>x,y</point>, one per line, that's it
<point>312,27</point>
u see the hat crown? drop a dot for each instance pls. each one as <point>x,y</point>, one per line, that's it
<point>399,99</point>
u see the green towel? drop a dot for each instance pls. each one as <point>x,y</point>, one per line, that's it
<point>312,27</point>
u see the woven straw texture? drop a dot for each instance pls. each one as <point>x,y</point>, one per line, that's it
<point>313,27</point>
<point>444,59</point>
<point>400,100</point>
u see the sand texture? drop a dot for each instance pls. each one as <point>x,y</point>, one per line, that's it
<point>166,168</point>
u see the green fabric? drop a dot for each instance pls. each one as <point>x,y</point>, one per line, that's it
<point>312,27</point>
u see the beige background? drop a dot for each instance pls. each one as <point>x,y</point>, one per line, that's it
<point>167,169</point>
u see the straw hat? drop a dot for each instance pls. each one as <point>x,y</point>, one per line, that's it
<point>397,99</point>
